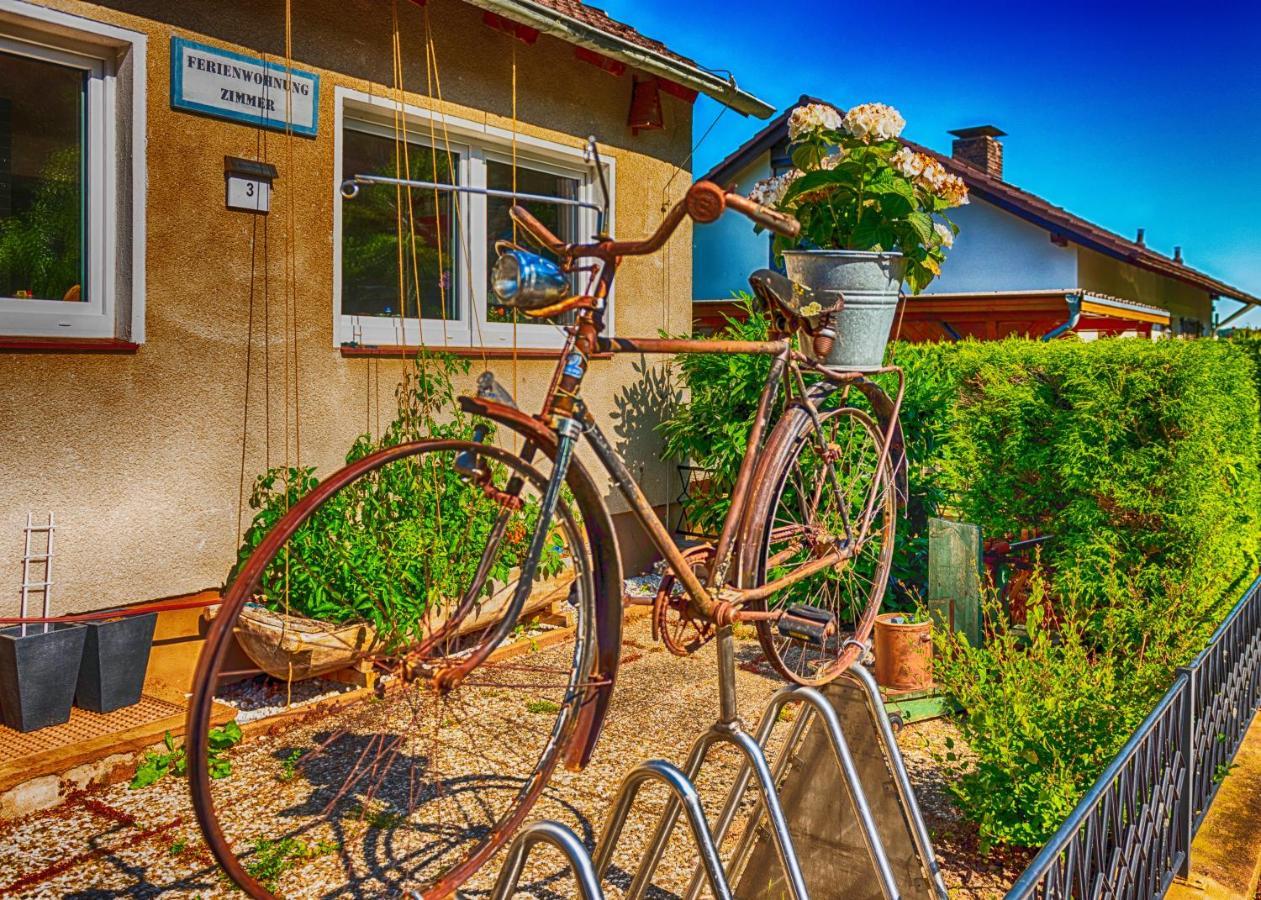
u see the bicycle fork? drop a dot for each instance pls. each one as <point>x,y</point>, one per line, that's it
<point>568,430</point>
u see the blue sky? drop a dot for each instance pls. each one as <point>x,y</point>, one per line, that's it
<point>1129,114</point>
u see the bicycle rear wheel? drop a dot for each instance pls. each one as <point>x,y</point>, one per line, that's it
<point>825,489</point>
<point>415,783</point>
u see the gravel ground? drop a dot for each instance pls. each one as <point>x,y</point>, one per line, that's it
<point>117,842</point>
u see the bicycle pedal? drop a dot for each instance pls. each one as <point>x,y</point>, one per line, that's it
<point>809,624</point>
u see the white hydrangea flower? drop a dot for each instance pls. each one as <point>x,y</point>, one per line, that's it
<point>943,231</point>
<point>770,191</point>
<point>873,122</point>
<point>810,118</point>
<point>954,191</point>
<point>909,163</point>
<point>933,175</point>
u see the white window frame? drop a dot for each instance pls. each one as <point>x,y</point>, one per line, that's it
<point>475,143</point>
<point>114,263</point>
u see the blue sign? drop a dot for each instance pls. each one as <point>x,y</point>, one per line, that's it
<point>245,89</point>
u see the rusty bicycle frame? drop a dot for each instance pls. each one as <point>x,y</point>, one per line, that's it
<point>717,601</point>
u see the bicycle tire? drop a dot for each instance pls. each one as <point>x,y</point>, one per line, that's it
<point>523,790</point>
<point>767,535</point>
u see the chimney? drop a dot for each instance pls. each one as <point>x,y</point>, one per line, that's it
<point>1177,254</point>
<point>980,148</point>
<point>1141,240</point>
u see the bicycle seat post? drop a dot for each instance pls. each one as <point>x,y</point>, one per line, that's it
<point>729,713</point>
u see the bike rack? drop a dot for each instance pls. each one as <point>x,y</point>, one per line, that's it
<point>589,868</point>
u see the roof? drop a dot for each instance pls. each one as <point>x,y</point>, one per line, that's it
<point>588,26</point>
<point>1012,199</point>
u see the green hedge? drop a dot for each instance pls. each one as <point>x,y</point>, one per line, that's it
<point>1139,457</point>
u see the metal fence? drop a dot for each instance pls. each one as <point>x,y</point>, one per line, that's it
<point>1131,833</point>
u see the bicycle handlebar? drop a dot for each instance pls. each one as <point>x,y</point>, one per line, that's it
<point>704,203</point>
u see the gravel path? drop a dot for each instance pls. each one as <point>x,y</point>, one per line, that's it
<point>116,842</point>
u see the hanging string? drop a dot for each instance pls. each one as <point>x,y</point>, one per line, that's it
<point>249,359</point>
<point>435,96</point>
<point>688,159</point>
<point>403,143</point>
<point>291,259</point>
<point>266,332</point>
<point>515,315</point>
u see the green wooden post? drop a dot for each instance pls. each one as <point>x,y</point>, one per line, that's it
<point>954,577</point>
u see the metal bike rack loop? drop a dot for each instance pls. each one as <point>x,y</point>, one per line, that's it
<point>588,869</point>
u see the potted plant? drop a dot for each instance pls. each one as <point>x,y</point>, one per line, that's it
<point>311,616</point>
<point>903,647</point>
<point>39,665</point>
<point>872,216</point>
<point>115,657</point>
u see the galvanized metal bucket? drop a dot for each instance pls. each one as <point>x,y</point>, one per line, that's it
<point>869,282</point>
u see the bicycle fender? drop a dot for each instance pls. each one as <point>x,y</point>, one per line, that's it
<point>607,574</point>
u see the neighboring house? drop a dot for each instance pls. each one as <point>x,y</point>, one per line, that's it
<point>1020,265</point>
<point>123,391</point>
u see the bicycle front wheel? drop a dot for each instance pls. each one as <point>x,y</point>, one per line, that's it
<point>415,782</point>
<point>825,490</point>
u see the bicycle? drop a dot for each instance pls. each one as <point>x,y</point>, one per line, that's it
<point>803,555</point>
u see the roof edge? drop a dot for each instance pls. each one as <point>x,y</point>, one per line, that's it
<point>573,31</point>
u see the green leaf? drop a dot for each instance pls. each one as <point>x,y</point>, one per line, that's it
<point>922,223</point>
<point>814,181</point>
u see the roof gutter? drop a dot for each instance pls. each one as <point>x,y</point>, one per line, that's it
<point>1074,316</point>
<point>573,31</point>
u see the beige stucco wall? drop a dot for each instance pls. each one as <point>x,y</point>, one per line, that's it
<point>139,456</point>
<point>1096,272</point>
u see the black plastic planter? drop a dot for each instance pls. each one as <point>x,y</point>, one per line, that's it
<point>115,656</point>
<point>38,671</point>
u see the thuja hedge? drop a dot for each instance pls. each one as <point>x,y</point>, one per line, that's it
<point>1141,460</point>
<point>1139,457</point>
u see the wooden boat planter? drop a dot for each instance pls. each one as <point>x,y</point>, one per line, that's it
<point>294,648</point>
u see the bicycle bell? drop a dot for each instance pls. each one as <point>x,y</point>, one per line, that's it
<point>525,280</point>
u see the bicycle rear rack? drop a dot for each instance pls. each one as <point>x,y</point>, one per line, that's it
<point>588,869</point>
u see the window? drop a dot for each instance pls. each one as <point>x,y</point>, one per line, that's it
<point>562,221</point>
<point>71,251</point>
<point>413,263</point>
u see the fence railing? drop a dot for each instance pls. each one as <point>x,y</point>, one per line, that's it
<point>1132,832</point>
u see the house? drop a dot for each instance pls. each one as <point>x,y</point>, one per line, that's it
<point>201,306</point>
<point>1019,266</point>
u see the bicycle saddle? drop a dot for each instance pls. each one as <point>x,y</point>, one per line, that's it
<point>781,294</point>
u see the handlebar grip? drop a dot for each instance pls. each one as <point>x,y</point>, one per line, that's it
<point>781,224</point>
<point>537,229</point>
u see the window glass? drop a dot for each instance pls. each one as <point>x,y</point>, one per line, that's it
<point>380,228</point>
<point>561,220</point>
<point>41,179</point>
